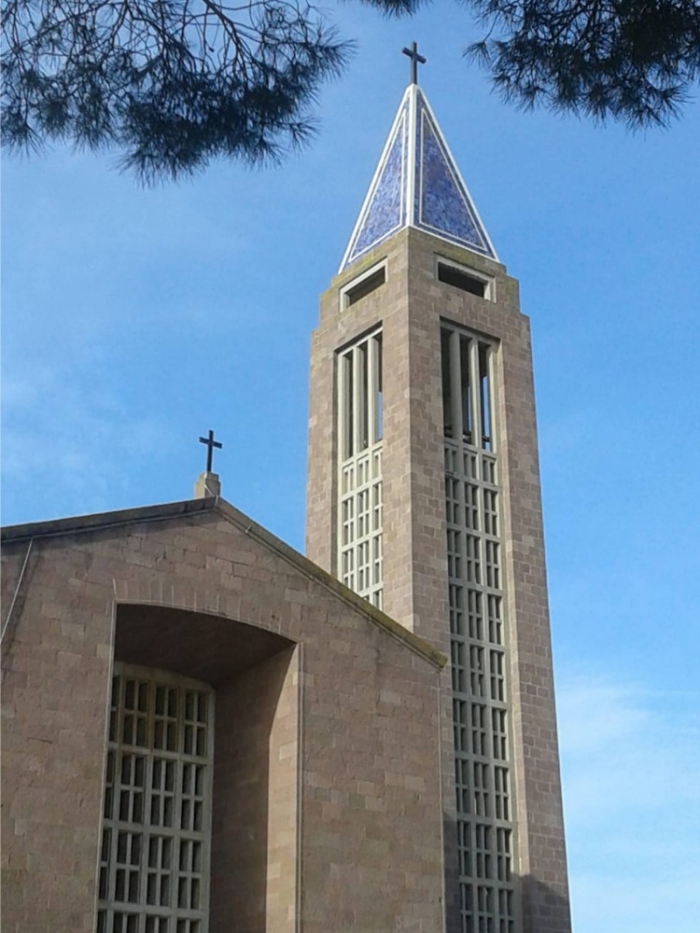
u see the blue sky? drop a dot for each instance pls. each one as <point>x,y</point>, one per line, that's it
<point>136,319</point>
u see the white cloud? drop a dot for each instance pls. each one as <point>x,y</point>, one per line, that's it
<point>68,444</point>
<point>630,763</point>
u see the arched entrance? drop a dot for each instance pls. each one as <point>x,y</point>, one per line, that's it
<point>200,806</point>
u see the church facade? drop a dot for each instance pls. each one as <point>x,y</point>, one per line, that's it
<point>205,731</point>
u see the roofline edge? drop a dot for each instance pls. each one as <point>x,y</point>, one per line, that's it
<point>83,524</point>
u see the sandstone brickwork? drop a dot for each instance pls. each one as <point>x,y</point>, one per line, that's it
<point>326,809</point>
<point>410,307</point>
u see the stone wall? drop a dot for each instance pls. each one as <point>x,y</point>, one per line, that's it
<point>410,307</point>
<point>352,821</point>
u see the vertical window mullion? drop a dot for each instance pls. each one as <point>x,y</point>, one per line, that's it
<point>342,415</point>
<point>207,815</point>
<point>346,402</point>
<point>486,441</point>
<point>371,401</point>
<point>466,390</point>
<point>111,870</point>
<point>356,401</point>
<point>477,415</point>
<point>363,417</point>
<point>177,802</point>
<point>455,386</point>
<point>147,803</point>
<point>379,388</point>
<point>449,429</point>
<point>350,405</point>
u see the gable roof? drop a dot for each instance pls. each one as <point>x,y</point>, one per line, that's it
<point>174,511</point>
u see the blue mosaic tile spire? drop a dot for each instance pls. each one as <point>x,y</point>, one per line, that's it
<point>417,183</point>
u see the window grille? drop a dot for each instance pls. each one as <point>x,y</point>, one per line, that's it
<point>479,658</point>
<point>360,409</point>
<point>154,854</point>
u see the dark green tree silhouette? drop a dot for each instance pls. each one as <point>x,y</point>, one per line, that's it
<point>631,60</point>
<point>171,84</point>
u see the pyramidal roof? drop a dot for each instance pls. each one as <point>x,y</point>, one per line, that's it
<point>417,184</point>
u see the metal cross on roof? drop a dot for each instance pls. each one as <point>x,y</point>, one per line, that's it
<point>211,444</point>
<point>415,60</point>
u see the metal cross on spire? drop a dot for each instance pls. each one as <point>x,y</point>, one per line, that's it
<point>415,60</point>
<point>211,444</point>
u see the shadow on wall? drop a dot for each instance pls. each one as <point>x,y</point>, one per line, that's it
<point>543,910</point>
<point>548,911</point>
<point>254,793</point>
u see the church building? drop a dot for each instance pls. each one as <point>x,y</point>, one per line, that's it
<point>206,732</point>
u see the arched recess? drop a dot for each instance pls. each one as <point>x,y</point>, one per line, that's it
<point>253,871</point>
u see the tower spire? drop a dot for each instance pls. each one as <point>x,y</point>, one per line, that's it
<point>423,498</point>
<point>417,184</point>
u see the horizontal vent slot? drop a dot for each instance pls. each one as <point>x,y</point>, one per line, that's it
<point>450,275</point>
<point>365,286</point>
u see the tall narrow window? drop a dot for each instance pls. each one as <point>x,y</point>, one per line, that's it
<point>363,414</point>
<point>154,855</point>
<point>348,413</point>
<point>379,394</point>
<point>360,408</point>
<point>485,395</point>
<point>447,407</point>
<point>466,389</point>
<point>478,648</point>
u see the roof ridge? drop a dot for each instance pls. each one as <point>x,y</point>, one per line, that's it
<point>83,524</point>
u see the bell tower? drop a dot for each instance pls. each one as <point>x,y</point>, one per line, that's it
<point>424,497</point>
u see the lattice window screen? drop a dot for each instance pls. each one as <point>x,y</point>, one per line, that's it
<point>360,467</point>
<point>485,831</point>
<point>154,856</point>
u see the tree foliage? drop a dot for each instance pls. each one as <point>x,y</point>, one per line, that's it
<point>633,60</point>
<point>171,84</point>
